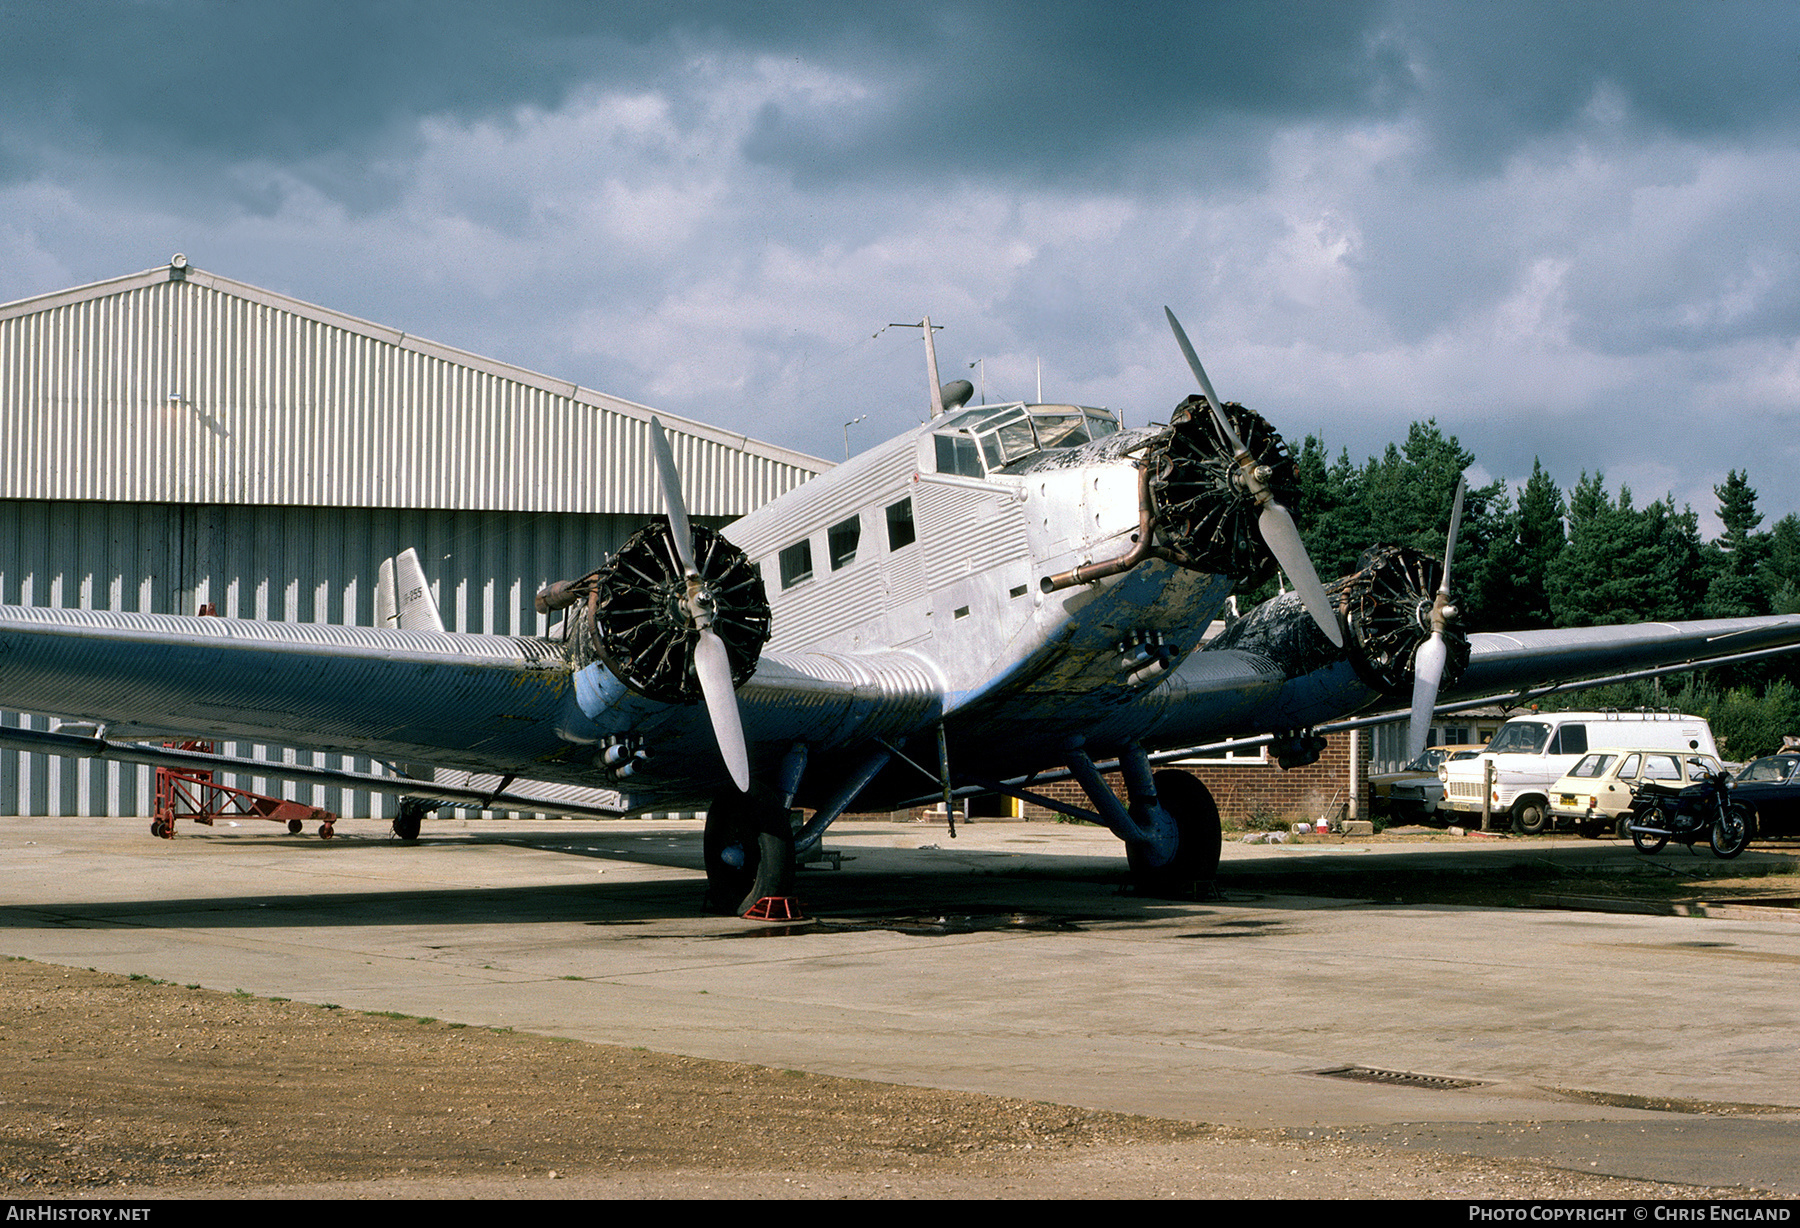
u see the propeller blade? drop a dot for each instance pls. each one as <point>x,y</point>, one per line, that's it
<point>714,671</point>
<point>671,488</point>
<point>1283,539</point>
<point>1275,522</point>
<point>1206,388</point>
<point>1428,671</point>
<point>1429,660</point>
<point>1450,542</point>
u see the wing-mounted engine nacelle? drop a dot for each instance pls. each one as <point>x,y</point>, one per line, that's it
<point>1206,516</point>
<point>1386,603</point>
<point>636,613</point>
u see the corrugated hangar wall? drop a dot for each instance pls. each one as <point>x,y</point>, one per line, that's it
<point>179,440</point>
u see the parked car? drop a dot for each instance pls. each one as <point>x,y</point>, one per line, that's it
<point>1595,795</point>
<point>1770,787</point>
<point>1531,752</point>
<point>1414,791</point>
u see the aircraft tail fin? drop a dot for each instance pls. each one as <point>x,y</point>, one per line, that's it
<point>403,599</point>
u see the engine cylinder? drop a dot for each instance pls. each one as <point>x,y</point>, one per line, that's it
<point>641,626</point>
<point>1206,518</point>
<point>1387,602</point>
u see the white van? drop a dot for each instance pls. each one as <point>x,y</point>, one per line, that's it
<point>1529,753</point>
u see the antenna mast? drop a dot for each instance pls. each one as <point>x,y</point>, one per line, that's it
<point>931,367</point>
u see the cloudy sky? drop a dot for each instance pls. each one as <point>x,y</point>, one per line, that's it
<point>1564,231</point>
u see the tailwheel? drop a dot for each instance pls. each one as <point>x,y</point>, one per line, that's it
<point>749,853</point>
<point>1199,839</point>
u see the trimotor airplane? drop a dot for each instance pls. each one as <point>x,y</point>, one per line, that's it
<point>1005,591</point>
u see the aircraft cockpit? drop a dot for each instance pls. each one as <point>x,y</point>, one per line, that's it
<point>987,439</point>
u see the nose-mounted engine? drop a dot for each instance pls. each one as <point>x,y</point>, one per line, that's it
<point>1206,515</point>
<point>640,612</point>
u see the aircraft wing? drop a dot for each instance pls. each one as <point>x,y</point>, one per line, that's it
<point>478,702</point>
<point>1514,660</point>
<point>1278,682</point>
<point>491,714</point>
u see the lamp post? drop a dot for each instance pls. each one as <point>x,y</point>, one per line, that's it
<point>847,427</point>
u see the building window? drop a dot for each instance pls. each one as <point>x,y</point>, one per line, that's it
<point>796,564</point>
<point>841,539</point>
<point>900,524</point>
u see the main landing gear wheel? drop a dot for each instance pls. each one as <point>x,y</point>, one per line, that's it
<point>408,821</point>
<point>749,850</point>
<point>1196,858</point>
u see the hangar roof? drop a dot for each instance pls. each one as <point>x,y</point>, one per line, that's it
<point>176,385</point>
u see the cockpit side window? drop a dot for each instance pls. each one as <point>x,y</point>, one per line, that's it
<point>957,454</point>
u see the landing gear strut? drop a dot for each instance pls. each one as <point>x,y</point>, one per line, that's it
<point>1198,839</point>
<point>749,851</point>
<point>1170,829</point>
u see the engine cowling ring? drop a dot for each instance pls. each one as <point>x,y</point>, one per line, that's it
<point>643,632</point>
<point>1387,602</point>
<point>1206,519</point>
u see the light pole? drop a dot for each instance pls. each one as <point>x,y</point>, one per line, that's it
<point>847,427</point>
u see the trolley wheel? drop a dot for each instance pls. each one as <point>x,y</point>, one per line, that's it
<point>295,826</point>
<point>326,832</point>
<point>162,829</point>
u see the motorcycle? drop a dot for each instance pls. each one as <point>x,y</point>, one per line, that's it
<point>1702,810</point>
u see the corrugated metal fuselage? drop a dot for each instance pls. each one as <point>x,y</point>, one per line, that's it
<point>915,596</point>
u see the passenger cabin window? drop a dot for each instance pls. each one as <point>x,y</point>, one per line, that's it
<point>796,564</point>
<point>900,524</point>
<point>841,539</point>
<point>957,454</point>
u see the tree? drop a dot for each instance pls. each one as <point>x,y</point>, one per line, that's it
<point>1517,594</point>
<point>1735,561</point>
<point>1622,565</point>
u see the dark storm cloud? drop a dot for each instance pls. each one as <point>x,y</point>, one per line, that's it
<point>1040,90</point>
<point>284,80</point>
<point>1055,90</point>
<point>1500,75</point>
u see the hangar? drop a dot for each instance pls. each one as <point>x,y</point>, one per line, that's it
<point>176,439</point>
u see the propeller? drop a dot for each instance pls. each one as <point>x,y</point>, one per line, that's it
<point>711,665</point>
<point>1274,521</point>
<point>1428,662</point>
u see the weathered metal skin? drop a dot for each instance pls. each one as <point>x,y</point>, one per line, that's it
<point>1386,606</point>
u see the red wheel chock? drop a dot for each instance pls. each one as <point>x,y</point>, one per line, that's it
<point>776,908</point>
